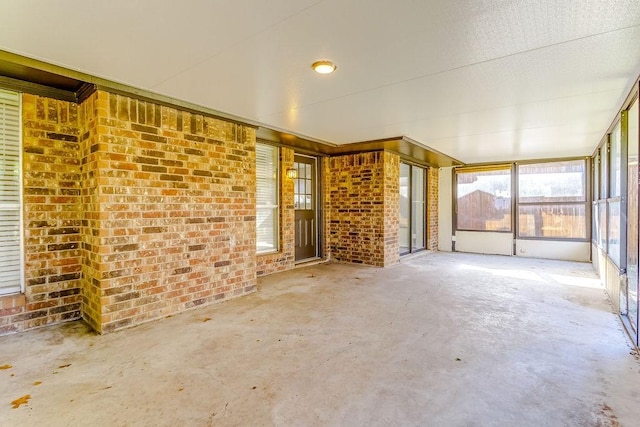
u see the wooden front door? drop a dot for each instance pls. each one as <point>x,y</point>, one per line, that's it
<point>305,200</point>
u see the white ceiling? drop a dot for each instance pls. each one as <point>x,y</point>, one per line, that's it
<point>481,81</point>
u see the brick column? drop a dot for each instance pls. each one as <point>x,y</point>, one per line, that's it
<point>433,176</point>
<point>169,205</point>
<point>362,208</point>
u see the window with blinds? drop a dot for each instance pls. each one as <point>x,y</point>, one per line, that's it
<point>10,199</point>
<point>267,198</point>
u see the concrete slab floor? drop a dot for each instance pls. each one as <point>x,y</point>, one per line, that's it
<point>443,340</point>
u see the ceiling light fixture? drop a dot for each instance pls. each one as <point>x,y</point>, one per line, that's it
<point>323,67</point>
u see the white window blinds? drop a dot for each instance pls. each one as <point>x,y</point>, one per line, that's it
<point>267,214</point>
<point>10,206</point>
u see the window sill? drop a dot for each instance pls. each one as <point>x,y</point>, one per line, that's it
<point>267,253</point>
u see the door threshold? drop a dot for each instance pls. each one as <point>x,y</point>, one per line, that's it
<point>309,261</point>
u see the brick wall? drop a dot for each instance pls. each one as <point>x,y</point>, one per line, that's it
<point>52,218</point>
<point>284,259</point>
<point>91,258</point>
<point>175,217</point>
<point>391,208</point>
<point>432,208</point>
<point>362,208</point>
<point>134,211</point>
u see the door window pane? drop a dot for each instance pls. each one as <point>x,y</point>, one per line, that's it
<point>412,208</point>
<point>417,208</point>
<point>484,200</point>
<point>405,207</point>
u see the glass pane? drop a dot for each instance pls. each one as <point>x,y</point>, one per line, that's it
<point>10,232</point>
<point>632,219</point>
<point>560,221</point>
<point>594,223</point>
<point>604,158</point>
<point>613,231</point>
<point>417,208</point>
<point>602,225</point>
<point>405,207</point>
<point>596,176</point>
<point>552,182</point>
<point>267,226</point>
<point>266,198</point>
<point>614,162</point>
<point>307,173</point>
<point>484,200</point>
<point>266,175</point>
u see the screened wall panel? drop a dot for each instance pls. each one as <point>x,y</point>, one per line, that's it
<point>483,200</point>
<point>632,218</point>
<point>614,200</point>
<point>552,200</point>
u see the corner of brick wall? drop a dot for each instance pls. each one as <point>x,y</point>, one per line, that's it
<point>356,208</point>
<point>284,259</point>
<point>432,208</point>
<point>52,218</point>
<point>391,209</point>
<point>91,232</point>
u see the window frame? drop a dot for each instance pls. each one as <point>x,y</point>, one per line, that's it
<point>615,196</point>
<point>484,168</point>
<point>20,287</point>
<point>425,213</point>
<point>586,203</point>
<point>276,208</point>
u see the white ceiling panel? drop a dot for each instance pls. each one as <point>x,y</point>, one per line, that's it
<point>136,42</point>
<point>478,80</point>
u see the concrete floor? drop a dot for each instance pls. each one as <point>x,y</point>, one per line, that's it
<point>442,339</point>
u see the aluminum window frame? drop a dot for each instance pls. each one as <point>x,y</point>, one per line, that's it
<point>425,181</point>
<point>586,203</point>
<point>482,168</point>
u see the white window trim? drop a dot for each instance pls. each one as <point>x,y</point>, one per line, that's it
<point>274,207</point>
<point>21,286</point>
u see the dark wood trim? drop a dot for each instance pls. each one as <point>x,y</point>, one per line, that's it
<point>36,89</point>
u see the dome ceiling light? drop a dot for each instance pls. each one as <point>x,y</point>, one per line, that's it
<point>323,67</point>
